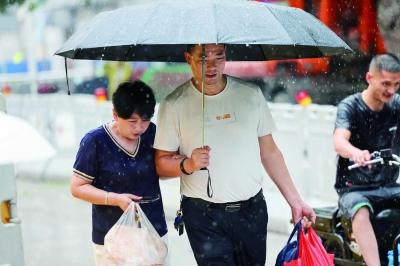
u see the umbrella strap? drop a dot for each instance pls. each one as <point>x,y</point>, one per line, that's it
<point>210,191</point>
<point>66,75</point>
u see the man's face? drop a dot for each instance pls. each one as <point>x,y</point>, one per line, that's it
<point>384,84</point>
<point>214,65</point>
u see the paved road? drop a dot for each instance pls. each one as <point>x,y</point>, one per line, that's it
<point>56,227</point>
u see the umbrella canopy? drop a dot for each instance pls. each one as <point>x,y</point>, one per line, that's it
<point>20,142</point>
<point>159,31</point>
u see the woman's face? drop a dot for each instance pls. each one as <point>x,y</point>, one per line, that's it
<point>132,127</point>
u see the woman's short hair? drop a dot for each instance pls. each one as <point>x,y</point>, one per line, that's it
<point>134,97</point>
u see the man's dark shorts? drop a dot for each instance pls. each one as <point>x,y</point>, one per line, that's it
<point>218,237</point>
<point>376,199</point>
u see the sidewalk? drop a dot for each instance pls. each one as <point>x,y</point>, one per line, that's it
<point>37,183</point>
<point>60,169</point>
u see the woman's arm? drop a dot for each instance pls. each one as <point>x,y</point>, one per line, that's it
<point>84,190</point>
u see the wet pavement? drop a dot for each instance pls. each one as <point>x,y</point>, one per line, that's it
<point>56,228</point>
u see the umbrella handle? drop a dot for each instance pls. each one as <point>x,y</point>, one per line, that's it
<point>66,75</point>
<point>203,70</point>
<point>203,73</point>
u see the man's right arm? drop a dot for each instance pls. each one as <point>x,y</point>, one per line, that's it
<point>345,119</point>
<point>341,142</point>
<point>345,149</point>
<point>168,166</point>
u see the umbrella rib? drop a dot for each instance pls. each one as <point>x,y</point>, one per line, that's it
<point>215,24</point>
<point>291,36</point>
<point>92,30</point>
<point>77,52</point>
<point>127,53</point>
<point>279,22</point>
<point>312,36</point>
<point>147,22</point>
<point>337,37</point>
<point>265,55</point>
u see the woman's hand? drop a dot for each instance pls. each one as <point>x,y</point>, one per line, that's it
<point>179,156</point>
<point>122,200</point>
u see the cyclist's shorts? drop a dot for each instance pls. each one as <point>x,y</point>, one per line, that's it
<point>351,202</point>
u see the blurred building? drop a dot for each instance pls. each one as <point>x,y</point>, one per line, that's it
<point>28,40</point>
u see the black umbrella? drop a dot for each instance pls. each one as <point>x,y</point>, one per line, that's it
<point>159,31</point>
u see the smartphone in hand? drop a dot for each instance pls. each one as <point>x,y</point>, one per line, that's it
<point>147,199</point>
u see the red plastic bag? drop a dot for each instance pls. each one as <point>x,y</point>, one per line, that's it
<point>311,251</point>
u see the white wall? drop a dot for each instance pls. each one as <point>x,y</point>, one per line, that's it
<point>305,137</point>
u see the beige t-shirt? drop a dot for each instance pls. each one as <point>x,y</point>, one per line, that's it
<point>233,121</point>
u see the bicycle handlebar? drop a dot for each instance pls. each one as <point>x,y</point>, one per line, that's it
<point>395,162</point>
<point>378,160</point>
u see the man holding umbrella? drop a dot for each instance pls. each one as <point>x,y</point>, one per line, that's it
<point>224,208</point>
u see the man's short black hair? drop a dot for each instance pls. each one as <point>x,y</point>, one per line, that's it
<point>190,47</point>
<point>134,97</point>
<point>388,62</point>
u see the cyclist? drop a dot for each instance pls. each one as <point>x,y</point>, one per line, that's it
<point>368,122</point>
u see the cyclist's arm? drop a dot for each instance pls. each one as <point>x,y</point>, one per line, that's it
<point>341,142</point>
<point>345,149</point>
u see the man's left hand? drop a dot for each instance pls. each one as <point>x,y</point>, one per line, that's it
<point>301,211</point>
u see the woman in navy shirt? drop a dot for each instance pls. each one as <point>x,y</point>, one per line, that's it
<point>115,165</point>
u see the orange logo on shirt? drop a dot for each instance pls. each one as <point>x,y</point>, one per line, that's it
<point>218,117</point>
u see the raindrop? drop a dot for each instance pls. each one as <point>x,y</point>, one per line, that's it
<point>207,246</point>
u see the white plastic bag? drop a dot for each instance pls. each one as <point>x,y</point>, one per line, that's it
<point>133,241</point>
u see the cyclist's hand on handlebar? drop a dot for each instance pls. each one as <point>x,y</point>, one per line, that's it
<point>360,157</point>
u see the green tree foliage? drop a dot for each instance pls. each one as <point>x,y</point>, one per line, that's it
<point>4,4</point>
